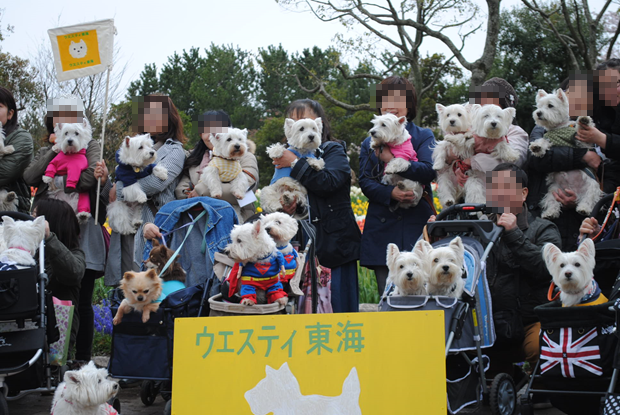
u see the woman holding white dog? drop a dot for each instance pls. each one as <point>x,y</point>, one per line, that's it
<point>338,236</point>
<point>158,117</point>
<point>212,122</point>
<point>385,222</point>
<point>93,241</point>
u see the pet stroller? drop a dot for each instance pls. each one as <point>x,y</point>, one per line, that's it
<point>579,358</point>
<point>468,320</point>
<point>27,329</point>
<point>143,351</point>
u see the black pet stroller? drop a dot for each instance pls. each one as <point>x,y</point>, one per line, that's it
<point>28,323</point>
<point>469,320</point>
<point>143,351</point>
<point>579,359</point>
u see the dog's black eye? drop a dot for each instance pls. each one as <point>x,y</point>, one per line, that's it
<point>301,129</point>
<point>278,222</point>
<point>436,260</point>
<point>402,266</point>
<point>382,125</point>
<point>141,147</point>
<point>230,139</point>
<point>238,241</point>
<point>459,114</point>
<point>134,291</point>
<point>577,264</point>
<point>550,106</point>
<point>67,133</point>
<point>146,291</point>
<point>562,265</point>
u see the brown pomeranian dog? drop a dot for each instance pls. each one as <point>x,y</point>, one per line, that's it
<point>159,256</point>
<point>142,290</point>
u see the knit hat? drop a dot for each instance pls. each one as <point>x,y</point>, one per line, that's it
<point>67,103</point>
<point>507,94</point>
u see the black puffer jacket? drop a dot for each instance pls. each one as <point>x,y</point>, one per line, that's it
<point>516,271</point>
<point>555,159</point>
<point>329,191</point>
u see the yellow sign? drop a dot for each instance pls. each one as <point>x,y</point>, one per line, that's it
<point>358,363</point>
<point>79,50</point>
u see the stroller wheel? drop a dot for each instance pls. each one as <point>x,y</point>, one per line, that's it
<point>116,404</point>
<point>4,405</point>
<point>503,399</point>
<point>148,392</point>
<point>166,390</point>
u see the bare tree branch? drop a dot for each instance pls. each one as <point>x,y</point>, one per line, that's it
<point>348,76</point>
<point>612,42</point>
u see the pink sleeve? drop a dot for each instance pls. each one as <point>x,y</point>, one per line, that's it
<point>51,169</point>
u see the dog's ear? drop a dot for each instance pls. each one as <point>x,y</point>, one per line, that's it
<point>155,242</point>
<point>152,274</point>
<point>392,254</point>
<point>245,132</point>
<point>257,228</point>
<point>7,220</point>
<point>551,253</point>
<point>402,120</point>
<point>319,125</point>
<point>540,94</point>
<point>128,276</point>
<point>127,140</point>
<point>57,128</point>
<point>561,95</point>
<point>457,243</point>
<point>475,108</point>
<point>288,126</point>
<point>439,108</point>
<point>587,249</point>
<point>269,370</point>
<point>216,136</point>
<point>509,113</point>
<point>11,195</point>
<point>39,224</point>
<point>73,376</point>
<point>422,248</point>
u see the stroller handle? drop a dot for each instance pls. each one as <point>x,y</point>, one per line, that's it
<point>16,215</point>
<point>464,207</point>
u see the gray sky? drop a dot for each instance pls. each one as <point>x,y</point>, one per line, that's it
<point>150,31</point>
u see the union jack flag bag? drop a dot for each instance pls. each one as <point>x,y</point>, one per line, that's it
<point>576,342</point>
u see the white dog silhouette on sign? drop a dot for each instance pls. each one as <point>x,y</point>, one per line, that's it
<point>279,393</point>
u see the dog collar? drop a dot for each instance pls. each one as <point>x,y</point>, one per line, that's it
<point>137,169</point>
<point>21,248</point>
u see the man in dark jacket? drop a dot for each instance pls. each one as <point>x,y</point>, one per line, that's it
<point>516,271</point>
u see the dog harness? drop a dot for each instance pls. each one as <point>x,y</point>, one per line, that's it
<point>228,168</point>
<point>565,137</point>
<point>129,175</point>
<point>264,275</point>
<point>109,410</point>
<point>286,171</point>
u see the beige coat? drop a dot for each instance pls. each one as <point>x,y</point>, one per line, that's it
<point>248,163</point>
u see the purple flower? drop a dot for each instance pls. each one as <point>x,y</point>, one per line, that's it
<point>103,317</point>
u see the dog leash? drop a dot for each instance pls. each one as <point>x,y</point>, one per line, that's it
<point>176,253</point>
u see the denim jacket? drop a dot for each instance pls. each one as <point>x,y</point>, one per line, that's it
<point>211,234</point>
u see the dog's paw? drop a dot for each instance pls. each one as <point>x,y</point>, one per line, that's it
<point>238,195</point>
<point>316,164</point>
<point>160,172</point>
<point>448,202</point>
<point>397,165</point>
<point>275,151</point>
<point>247,301</point>
<point>136,224</point>
<point>282,300</point>
<point>146,316</point>
<point>585,121</point>
<point>551,214</point>
<point>47,179</point>
<point>7,150</point>
<point>218,195</point>
<point>83,217</point>
<point>536,150</point>
<point>117,319</point>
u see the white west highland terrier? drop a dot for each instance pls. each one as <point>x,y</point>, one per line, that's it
<point>391,131</point>
<point>85,392</point>
<point>446,268</point>
<point>282,228</point>
<point>552,114</point>
<point>573,272</point>
<point>135,160</point>
<point>21,240</point>
<point>224,167</point>
<point>489,123</point>
<point>279,393</point>
<point>4,150</point>
<point>408,270</point>
<point>455,123</point>
<point>253,248</point>
<point>303,138</point>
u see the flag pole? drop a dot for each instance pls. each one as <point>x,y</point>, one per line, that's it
<point>105,117</point>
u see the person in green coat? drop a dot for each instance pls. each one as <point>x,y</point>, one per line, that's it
<point>12,165</point>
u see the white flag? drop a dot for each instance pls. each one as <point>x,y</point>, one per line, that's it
<point>83,49</point>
